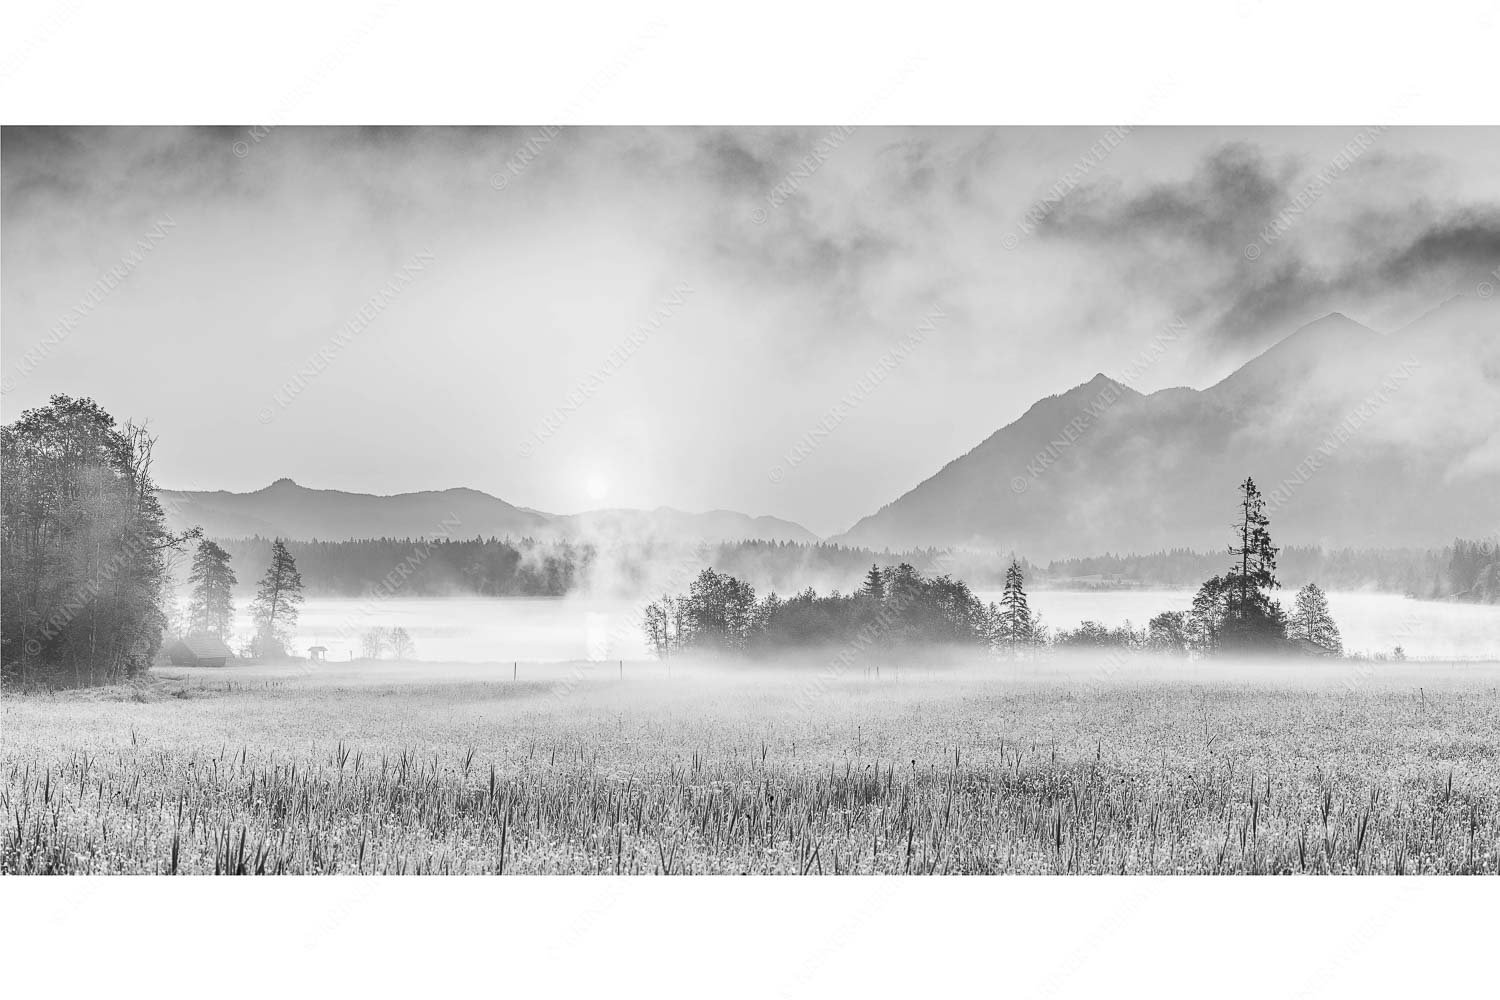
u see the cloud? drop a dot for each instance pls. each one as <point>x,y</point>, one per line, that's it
<point>281,233</point>
<point>1233,191</point>
<point>1246,247</point>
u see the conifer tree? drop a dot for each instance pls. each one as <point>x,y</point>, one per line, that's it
<point>1256,554</point>
<point>1253,619</point>
<point>277,601</point>
<point>874,585</point>
<point>211,608</point>
<point>1016,627</point>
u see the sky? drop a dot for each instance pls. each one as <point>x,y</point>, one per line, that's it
<point>802,322</point>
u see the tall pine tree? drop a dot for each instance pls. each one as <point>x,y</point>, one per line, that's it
<point>211,608</point>
<point>1016,626</point>
<point>1253,620</point>
<point>276,603</point>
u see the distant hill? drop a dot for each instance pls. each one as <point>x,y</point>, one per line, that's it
<point>1360,439</point>
<point>288,510</point>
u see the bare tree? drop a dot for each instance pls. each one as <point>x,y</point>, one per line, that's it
<point>402,646</point>
<point>372,643</point>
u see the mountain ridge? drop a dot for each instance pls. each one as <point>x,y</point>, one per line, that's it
<point>285,508</point>
<point>1319,419</point>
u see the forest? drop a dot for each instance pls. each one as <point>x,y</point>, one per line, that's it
<point>1464,571</point>
<point>1233,612</point>
<point>525,567</point>
<point>441,567</point>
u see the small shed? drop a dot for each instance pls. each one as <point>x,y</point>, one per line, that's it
<point>318,654</point>
<point>199,651</point>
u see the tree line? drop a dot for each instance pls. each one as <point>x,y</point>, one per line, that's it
<point>899,604</point>
<point>440,567</point>
<point>1466,570</point>
<point>1232,612</point>
<point>526,567</point>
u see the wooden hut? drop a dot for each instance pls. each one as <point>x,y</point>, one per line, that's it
<point>199,651</point>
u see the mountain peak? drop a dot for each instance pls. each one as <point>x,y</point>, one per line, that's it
<point>1334,327</point>
<point>1100,383</point>
<point>1084,469</point>
<point>1333,321</point>
<point>283,484</point>
<point>1324,344</point>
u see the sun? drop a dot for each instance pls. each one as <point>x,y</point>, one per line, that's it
<point>597,487</point>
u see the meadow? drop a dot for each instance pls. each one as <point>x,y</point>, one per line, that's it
<point>607,768</point>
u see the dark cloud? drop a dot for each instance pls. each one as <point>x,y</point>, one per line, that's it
<point>1232,192</point>
<point>744,161</point>
<point>1246,247</point>
<point>1463,241</point>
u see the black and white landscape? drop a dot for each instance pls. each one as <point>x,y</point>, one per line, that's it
<point>842,500</point>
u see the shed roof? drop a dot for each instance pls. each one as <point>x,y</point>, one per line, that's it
<point>205,647</point>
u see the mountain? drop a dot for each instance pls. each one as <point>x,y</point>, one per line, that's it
<point>285,509</point>
<point>1357,438</point>
<point>288,510</point>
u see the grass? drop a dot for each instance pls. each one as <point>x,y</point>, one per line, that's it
<point>436,769</point>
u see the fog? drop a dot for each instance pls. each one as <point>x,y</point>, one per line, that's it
<point>497,630</point>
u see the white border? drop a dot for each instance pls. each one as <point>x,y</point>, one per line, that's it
<point>283,62</point>
<point>749,937</point>
<point>782,61</point>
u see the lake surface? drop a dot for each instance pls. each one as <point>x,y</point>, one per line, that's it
<point>475,629</point>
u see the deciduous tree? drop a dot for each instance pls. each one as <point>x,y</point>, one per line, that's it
<point>1312,624</point>
<point>83,540</point>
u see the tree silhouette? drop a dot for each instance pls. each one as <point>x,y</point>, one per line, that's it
<point>1312,624</point>
<point>1015,627</point>
<point>1206,620</point>
<point>1253,620</point>
<point>211,608</point>
<point>276,602</point>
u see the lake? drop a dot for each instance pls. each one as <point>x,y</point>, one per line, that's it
<point>477,629</point>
